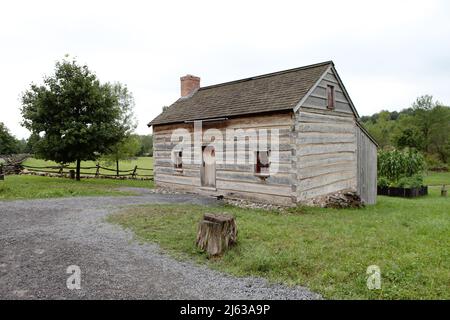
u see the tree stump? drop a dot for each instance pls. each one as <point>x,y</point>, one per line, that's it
<point>216,233</point>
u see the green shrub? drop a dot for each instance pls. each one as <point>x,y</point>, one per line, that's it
<point>383,182</point>
<point>410,182</point>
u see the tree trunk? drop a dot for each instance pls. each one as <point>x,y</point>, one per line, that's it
<point>216,233</point>
<point>78,169</point>
<point>117,167</point>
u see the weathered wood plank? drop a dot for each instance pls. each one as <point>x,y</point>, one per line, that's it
<point>282,133</point>
<point>172,171</point>
<point>325,148</point>
<point>254,188</point>
<point>325,128</point>
<point>282,167</point>
<point>276,179</point>
<point>367,168</point>
<point>323,86</point>
<point>318,137</point>
<point>313,108</point>
<point>306,161</point>
<point>318,102</point>
<point>343,106</point>
<point>310,172</point>
<point>327,189</point>
<point>326,179</point>
<point>331,78</point>
<point>194,181</point>
<point>308,116</point>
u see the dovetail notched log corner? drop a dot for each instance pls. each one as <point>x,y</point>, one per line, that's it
<point>320,150</point>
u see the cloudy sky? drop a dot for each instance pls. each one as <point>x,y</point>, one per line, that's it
<point>386,52</point>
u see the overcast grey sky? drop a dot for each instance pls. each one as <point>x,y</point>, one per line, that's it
<point>386,52</point>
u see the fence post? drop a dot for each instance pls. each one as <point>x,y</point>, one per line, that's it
<point>133,175</point>
<point>97,172</point>
<point>443,191</point>
<point>2,176</point>
<point>61,170</point>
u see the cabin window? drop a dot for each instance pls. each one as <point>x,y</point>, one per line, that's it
<point>178,160</point>
<point>262,164</point>
<point>331,97</point>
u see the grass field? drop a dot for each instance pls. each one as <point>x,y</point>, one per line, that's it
<point>141,162</point>
<point>326,250</point>
<point>33,187</point>
<point>437,178</point>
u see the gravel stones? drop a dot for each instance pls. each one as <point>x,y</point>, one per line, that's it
<point>41,238</point>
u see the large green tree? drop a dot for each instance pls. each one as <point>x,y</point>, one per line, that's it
<point>8,143</point>
<point>423,117</point>
<point>76,117</point>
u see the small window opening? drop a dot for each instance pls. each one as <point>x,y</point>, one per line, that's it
<point>262,166</point>
<point>331,97</point>
<point>178,163</point>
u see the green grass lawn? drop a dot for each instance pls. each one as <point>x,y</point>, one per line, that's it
<point>32,187</point>
<point>437,178</point>
<point>326,250</point>
<point>141,162</point>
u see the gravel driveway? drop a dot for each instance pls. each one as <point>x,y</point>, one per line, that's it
<point>40,239</point>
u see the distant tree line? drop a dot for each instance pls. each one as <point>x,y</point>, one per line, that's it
<point>425,127</point>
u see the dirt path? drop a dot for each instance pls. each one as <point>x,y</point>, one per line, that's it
<point>40,239</point>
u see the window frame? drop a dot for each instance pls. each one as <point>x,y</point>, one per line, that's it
<point>259,167</point>
<point>178,160</point>
<point>331,97</point>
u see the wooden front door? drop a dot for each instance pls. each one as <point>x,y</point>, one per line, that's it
<point>208,169</point>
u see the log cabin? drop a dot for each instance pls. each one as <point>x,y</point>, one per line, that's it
<point>286,138</point>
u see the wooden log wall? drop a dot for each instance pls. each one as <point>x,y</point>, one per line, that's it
<point>367,167</point>
<point>326,159</point>
<point>232,180</point>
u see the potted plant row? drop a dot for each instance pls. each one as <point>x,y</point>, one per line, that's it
<point>407,187</point>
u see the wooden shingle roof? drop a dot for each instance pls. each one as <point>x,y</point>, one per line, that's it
<point>277,91</point>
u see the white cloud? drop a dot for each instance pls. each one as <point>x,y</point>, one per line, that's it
<point>387,52</point>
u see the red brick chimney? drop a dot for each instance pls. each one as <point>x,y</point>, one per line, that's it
<point>189,84</point>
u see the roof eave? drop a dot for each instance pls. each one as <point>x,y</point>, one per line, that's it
<point>285,110</point>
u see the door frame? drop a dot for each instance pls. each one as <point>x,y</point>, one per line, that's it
<point>203,166</point>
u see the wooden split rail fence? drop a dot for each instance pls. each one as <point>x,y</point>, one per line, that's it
<point>63,170</point>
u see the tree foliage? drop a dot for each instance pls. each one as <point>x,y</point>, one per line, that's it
<point>425,126</point>
<point>146,145</point>
<point>8,143</point>
<point>75,116</point>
